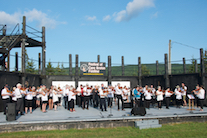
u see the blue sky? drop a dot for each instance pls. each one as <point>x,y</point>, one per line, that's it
<point>129,28</point>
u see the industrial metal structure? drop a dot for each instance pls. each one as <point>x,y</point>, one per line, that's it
<point>17,39</point>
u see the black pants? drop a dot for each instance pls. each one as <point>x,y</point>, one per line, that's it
<point>119,97</point>
<point>79,101</point>
<point>86,101</point>
<point>34,106</point>
<point>159,104</point>
<point>110,100</point>
<point>91,100</point>
<point>147,105</point>
<point>153,101</point>
<point>82,101</point>
<point>137,102</point>
<point>201,101</point>
<point>5,101</point>
<point>178,102</point>
<point>96,100</point>
<point>103,103</point>
<point>65,101</point>
<point>71,104</point>
<point>167,100</point>
<point>20,105</point>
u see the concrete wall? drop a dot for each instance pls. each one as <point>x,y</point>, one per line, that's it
<point>95,124</point>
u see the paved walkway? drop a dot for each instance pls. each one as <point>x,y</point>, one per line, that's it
<point>63,115</point>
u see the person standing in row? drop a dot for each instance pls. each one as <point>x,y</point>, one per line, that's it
<point>168,95</point>
<point>71,99</point>
<point>44,99</point>
<point>95,96</point>
<point>119,96</point>
<point>50,97</point>
<point>55,98</point>
<point>65,96</point>
<point>159,94</point>
<point>153,91</point>
<point>28,100</point>
<point>178,94</point>
<point>86,93</point>
<point>184,91</point>
<point>110,96</point>
<point>5,93</point>
<point>20,102</point>
<point>137,96</point>
<point>102,95</point>
<point>201,96</point>
<point>148,97</point>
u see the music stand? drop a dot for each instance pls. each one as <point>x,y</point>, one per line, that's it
<point>191,102</point>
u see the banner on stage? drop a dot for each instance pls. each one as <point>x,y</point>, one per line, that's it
<point>93,68</point>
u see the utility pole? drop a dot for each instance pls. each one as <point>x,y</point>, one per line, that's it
<point>169,58</point>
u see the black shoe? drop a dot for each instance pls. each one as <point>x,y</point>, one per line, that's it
<point>22,113</point>
<point>106,110</point>
<point>4,113</point>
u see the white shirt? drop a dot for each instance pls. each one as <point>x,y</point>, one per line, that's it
<point>148,95</point>
<point>101,93</point>
<point>71,95</point>
<point>14,98</point>
<point>55,96</point>
<point>110,94</point>
<point>18,93</point>
<point>201,95</point>
<point>159,95</point>
<point>79,91</point>
<point>29,95</point>
<point>87,91</point>
<point>64,90</point>
<point>45,98</point>
<point>183,90</point>
<point>125,93</point>
<point>167,94</point>
<point>118,91</point>
<point>4,91</point>
<point>178,94</point>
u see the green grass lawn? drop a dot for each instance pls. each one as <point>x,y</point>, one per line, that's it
<point>170,130</point>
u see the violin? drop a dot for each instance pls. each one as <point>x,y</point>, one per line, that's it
<point>120,87</point>
<point>23,89</point>
<point>88,88</point>
<point>170,91</point>
<point>195,90</point>
<point>9,91</point>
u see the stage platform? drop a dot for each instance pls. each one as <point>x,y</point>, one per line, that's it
<point>64,119</point>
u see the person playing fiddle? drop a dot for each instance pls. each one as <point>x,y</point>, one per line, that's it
<point>5,93</point>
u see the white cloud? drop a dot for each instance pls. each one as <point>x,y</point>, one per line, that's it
<point>41,18</point>
<point>10,19</point>
<point>93,18</point>
<point>107,18</point>
<point>133,9</point>
<point>38,17</point>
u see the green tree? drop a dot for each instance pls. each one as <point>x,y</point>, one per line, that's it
<point>49,69</point>
<point>30,66</point>
<point>58,70</point>
<point>192,66</point>
<point>145,70</point>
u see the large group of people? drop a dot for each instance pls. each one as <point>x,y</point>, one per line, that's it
<point>144,96</point>
<point>100,97</point>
